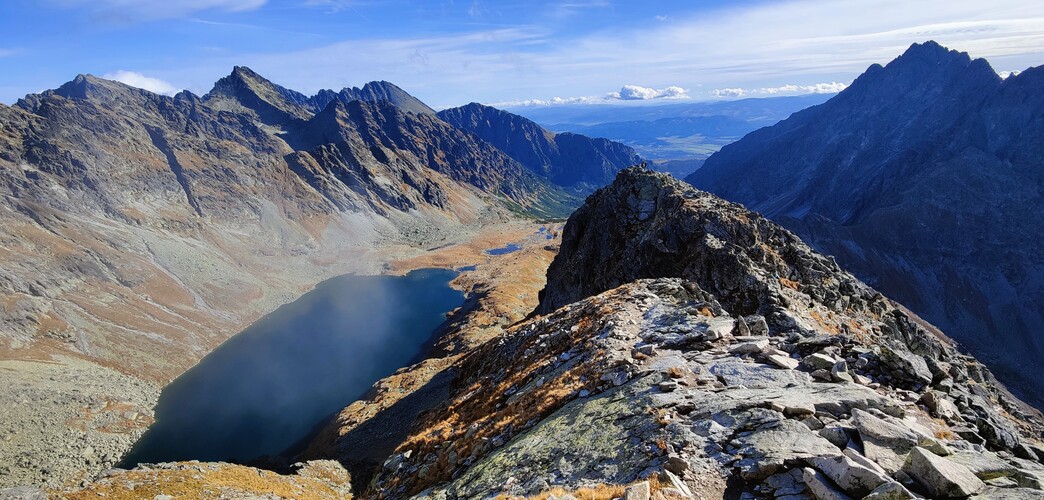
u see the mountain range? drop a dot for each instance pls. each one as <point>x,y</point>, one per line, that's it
<point>924,178</point>
<point>140,230</point>
<point>670,134</point>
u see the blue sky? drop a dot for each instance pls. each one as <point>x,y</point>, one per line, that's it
<point>508,52</point>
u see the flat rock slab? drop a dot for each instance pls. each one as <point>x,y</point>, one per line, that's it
<point>941,477</point>
<point>754,375</point>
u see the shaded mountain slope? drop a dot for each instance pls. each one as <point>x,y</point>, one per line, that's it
<point>920,178</point>
<point>566,159</point>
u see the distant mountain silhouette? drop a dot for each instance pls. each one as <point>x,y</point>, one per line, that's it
<point>566,159</point>
<point>924,178</point>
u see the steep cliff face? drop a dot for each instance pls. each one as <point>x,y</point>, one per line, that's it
<point>708,352</point>
<point>918,178</point>
<point>567,159</point>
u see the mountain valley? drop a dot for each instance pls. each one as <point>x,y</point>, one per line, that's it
<point>237,276</point>
<point>141,231</point>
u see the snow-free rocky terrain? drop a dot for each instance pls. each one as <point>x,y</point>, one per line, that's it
<point>685,347</point>
<point>140,231</point>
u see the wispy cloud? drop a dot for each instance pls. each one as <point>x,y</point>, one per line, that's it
<point>152,10</point>
<point>700,52</point>
<point>141,81</point>
<point>8,52</point>
<point>626,93</point>
<point>816,88</point>
<point>574,7</point>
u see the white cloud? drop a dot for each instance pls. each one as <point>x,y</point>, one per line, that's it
<point>151,10</point>
<point>142,82</point>
<point>1005,74</point>
<point>638,93</point>
<point>626,93</point>
<point>816,88</point>
<point>729,92</point>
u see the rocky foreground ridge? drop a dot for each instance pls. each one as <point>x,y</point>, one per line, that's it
<point>688,339</point>
<point>686,347</point>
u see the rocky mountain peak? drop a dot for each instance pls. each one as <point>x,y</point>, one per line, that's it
<point>377,91</point>
<point>926,164</point>
<point>245,90</point>
<point>924,72</point>
<point>650,225</point>
<point>568,159</point>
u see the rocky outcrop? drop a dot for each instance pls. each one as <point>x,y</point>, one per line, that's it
<point>246,91</point>
<point>682,380</point>
<point>374,92</point>
<point>918,179</point>
<point>567,159</point>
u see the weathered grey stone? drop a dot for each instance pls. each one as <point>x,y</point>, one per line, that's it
<point>1026,452</point>
<point>840,373</point>
<point>677,483</point>
<point>820,486</point>
<point>800,410</point>
<point>785,362</point>
<point>765,450</point>
<point>862,460</point>
<point>734,372</point>
<point>835,434</point>
<point>1010,493</point>
<point>997,433</point>
<point>890,491</point>
<point>757,325</point>
<point>22,493</point>
<point>883,442</point>
<point>823,375</point>
<point>637,491</point>
<point>751,347</point>
<point>910,365</point>
<point>819,361</point>
<point>719,328</point>
<point>939,476</point>
<point>851,476</point>
<point>940,406</point>
<point>1002,482</point>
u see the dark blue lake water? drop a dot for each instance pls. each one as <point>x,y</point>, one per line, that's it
<point>268,387</point>
<point>510,247</point>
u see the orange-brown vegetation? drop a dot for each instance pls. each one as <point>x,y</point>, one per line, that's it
<point>195,480</point>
